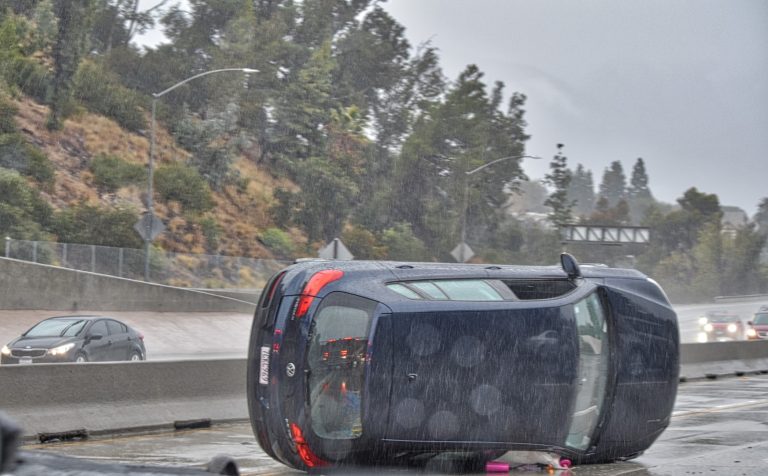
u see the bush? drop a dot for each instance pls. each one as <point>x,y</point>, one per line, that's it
<point>101,92</point>
<point>23,214</point>
<point>111,172</point>
<point>402,244</point>
<point>278,241</point>
<point>211,232</point>
<point>7,116</point>
<point>17,154</point>
<point>93,225</point>
<point>16,68</point>
<point>185,185</point>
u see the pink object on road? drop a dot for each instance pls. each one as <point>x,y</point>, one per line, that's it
<point>496,467</point>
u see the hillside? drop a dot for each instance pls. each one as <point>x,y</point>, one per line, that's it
<point>241,213</point>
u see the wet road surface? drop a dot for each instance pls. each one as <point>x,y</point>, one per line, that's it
<point>719,427</point>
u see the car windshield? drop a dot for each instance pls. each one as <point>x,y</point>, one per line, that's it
<point>57,328</point>
<point>761,318</point>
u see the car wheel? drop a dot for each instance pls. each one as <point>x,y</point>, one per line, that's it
<point>135,356</point>
<point>81,358</point>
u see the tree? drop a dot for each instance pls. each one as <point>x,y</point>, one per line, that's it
<point>559,178</point>
<point>761,217</point>
<point>581,191</point>
<point>73,22</point>
<point>639,194</point>
<point>614,184</point>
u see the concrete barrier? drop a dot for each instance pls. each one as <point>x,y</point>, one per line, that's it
<point>723,358</point>
<point>25,285</point>
<point>109,397</point>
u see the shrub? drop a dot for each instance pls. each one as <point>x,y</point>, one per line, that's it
<point>23,214</point>
<point>111,172</point>
<point>211,231</point>
<point>7,116</point>
<point>185,185</point>
<point>101,92</point>
<point>17,154</point>
<point>278,241</point>
<point>402,244</point>
<point>93,225</point>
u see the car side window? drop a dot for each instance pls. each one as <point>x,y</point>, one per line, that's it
<point>99,327</point>
<point>115,327</point>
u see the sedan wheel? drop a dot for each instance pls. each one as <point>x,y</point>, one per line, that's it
<point>80,358</point>
<point>135,356</point>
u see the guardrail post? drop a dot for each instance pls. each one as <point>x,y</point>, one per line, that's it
<point>34,251</point>
<point>7,246</point>
<point>93,258</point>
<point>64,255</point>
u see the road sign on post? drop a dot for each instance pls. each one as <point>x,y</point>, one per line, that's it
<point>149,227</point>
<point>462,253</point>
<point>336,250</point>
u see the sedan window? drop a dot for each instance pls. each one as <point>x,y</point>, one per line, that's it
<point>115,327</point>
<point>99,327</point>
<point>52,328</point>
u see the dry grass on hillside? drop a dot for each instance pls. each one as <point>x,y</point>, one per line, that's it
<point>241,214</point>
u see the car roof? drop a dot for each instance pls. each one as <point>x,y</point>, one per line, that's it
<point>83,317</point>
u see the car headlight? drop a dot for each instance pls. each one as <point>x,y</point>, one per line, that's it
<point>751,332</point>
<point>732,328</point>
<point>702,321</point>
<point>5,350</point>
<point>708,328</point>
<point>702,337</point>
<point>62,349</point>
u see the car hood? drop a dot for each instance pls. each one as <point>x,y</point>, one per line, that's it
<point>39,342</point>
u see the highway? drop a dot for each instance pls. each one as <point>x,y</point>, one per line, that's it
<point>719,427</point>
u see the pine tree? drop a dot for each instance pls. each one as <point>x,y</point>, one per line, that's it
<point>639,195</point>
<point>559,178</point>
<point>581,191</point>
<point>614,184</point>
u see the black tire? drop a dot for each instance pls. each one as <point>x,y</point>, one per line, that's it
<point>81,358</point>
<point>135,356</point>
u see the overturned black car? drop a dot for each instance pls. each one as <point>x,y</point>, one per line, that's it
<point>383,363</point>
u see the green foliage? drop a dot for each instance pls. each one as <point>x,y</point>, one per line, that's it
<point>94,225</point>
<point>614,184</point>
<point>23,214</point>
<point>17,154</point>
<point>211,154</point>
<point>581,191</point>
<point>7,116</point>
<point>111,172</point>
<point>403,245</point>
<point>278,241</point>
<point>16,68</point>
<point>101,92</point>
<point>362,243</point>
<point>185,185</point>
<point>211,231</point>
<point>559,177</point>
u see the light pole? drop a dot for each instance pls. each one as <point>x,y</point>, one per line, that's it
<point>150,202</point>
<point>463,244</point>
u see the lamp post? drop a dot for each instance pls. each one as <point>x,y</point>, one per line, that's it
<point>150,202</point>
<point>463,245</point>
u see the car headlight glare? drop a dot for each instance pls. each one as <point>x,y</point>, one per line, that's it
<point>731,328</point>
<point>702,321</point>
<point>5,350</point>
<point>751,332</point>
<point>708,328</point>
<point>62,349</point>
<point>702,337</point>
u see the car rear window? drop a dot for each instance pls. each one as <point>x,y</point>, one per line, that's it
<point>336,359</point>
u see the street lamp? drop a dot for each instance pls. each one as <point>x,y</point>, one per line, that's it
<point>463,245</point>
<point>150,202</point>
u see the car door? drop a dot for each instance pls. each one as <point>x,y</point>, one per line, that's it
<point>118,334</point>
<point>98,350</point>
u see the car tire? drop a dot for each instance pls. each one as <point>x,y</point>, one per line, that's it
<point>81,358</point>
<point>135,356</point>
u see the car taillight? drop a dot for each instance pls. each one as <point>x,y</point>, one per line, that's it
<point>307,456</point>
<point>272,289</point>
<point>317,282</point>
<point>141,337</point>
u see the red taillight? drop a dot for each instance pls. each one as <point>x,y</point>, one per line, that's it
<point>273,288</point>
<point>317,282</point>
<point>307,456</point>
<point>141,337</point>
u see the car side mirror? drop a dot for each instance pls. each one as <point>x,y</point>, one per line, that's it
<point>750,323</point>
<point>95,337</point>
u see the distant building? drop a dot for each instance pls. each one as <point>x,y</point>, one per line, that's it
<point>733,219</point>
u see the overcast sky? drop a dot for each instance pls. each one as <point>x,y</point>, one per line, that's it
<point>682,84</point>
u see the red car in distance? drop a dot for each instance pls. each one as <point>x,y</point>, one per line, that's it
<point>758,327</point>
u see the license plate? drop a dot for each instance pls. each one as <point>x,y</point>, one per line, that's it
<point>25,360</point>
<point>264,368</point>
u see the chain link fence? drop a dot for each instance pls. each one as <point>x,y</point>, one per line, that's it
<point>174,269</point>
